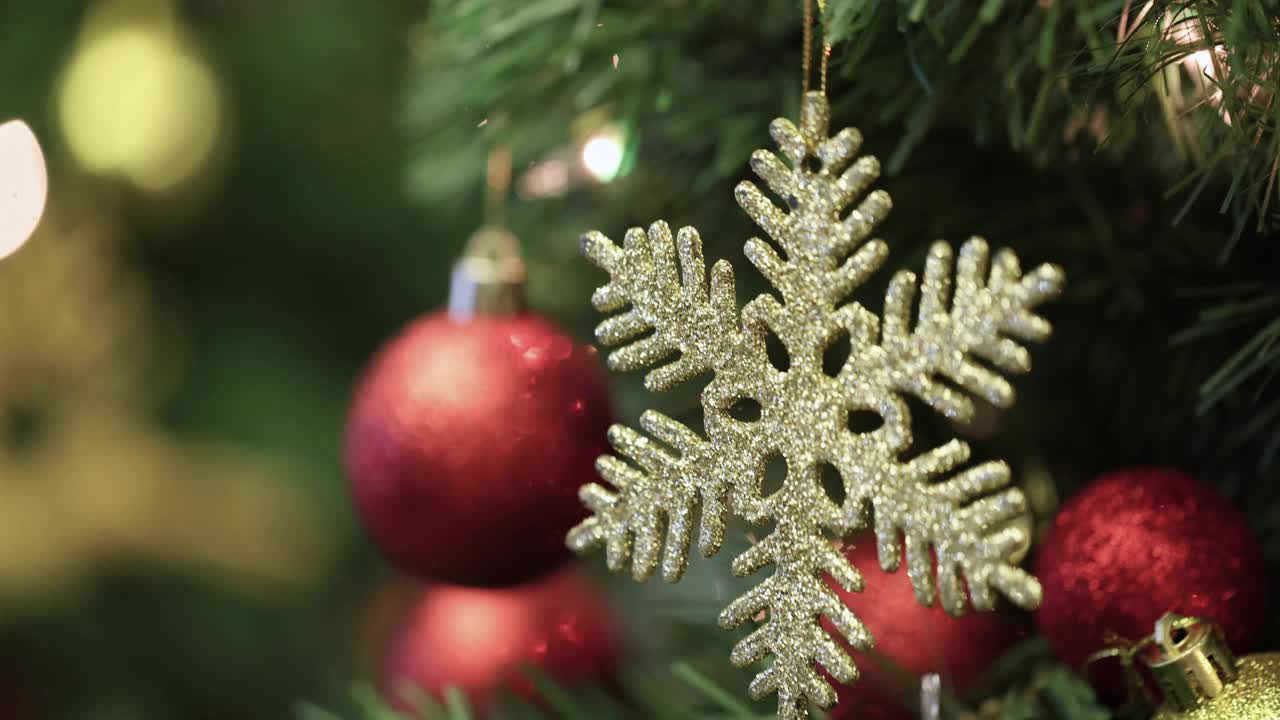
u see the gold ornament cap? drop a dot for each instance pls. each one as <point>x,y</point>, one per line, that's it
<point>489,278</point>
<point>1189,660</point>
<point>1254,695</point>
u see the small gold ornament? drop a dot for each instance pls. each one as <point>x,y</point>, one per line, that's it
<point>1199,678</point>
<point>804,414</point>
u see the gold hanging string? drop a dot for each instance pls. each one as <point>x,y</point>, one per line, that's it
<point>806,62</point>
<point>808,48</point>
<point>826,47</point>
<point>497,183</point>
<point>489,277</point>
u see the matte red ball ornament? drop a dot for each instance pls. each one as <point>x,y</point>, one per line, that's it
<point>468,438</point>
<point>1138,543</point>
<point>480,640</point>
<point>914,639</point>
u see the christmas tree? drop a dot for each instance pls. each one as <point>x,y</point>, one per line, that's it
<point>240,479</point>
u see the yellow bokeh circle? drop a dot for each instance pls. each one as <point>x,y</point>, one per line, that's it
<point>135,100</point>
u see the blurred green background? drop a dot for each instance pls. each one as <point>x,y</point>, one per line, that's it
<point>268,277</point>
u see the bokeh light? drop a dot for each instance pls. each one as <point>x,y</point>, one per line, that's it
<point>602,154</point>
<point>138,100</point>
<point>549,178</point>
<point>24,185</point>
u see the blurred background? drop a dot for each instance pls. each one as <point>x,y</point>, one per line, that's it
<point>226,241</point>
<point>247,198</point>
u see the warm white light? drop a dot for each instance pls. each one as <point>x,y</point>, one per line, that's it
<point>24,185</point>
<point>602,155</point>
<point>1203,73</point>
<point>549,178</point>
<point>1202,61</point>
<point>1202,65</point>
<point>136,101</point>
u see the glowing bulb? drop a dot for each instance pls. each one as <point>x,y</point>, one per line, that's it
<point>135,101</point>
<point>602,155</point>
<point>1202,60</point>
<point>24,185</point>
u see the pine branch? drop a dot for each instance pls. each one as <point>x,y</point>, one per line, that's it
<point>1215,67</point>
<point>1037,74</point>
<point>701,327</point>
<point>1025,684</point>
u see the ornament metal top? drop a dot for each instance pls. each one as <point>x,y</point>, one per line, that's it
<point>1197,675</point>
<point>489,278</point>
<point>804,413</point>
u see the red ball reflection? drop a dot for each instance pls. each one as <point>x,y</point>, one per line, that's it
<point>479,640</point>
<point>911,640</point>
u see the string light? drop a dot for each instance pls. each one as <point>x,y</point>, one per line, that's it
<point>602,154</point>
<point>24,185</point>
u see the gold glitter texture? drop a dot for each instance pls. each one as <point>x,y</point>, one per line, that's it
<point>658,283</point>
<point>1254,695</point>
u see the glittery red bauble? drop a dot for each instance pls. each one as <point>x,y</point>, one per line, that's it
<point>467,443</point>
<point>1137,543</point>
<point>480,640</point>
<point>911,638</point>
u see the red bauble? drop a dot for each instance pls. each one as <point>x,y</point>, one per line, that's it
<point>1137,543</point>
<point>479,640</point>
<point>467,443</point>
<point>911,638</point>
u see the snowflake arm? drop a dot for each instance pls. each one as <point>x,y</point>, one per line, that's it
<point>793,598</point>
<point>685,315</point>
<point>630,517</point>
<point>698,321</point>
<point>986,319</point>
<point>972,550</point>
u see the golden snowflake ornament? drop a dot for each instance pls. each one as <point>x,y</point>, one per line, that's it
<point>665,306</point>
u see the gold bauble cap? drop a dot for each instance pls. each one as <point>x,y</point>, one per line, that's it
<point>489,278</point>
<point>1199,677</point>
<point>1253,695</point>
<point>1189,660</point>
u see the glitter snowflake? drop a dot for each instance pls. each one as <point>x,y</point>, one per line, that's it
<point>666,306</point>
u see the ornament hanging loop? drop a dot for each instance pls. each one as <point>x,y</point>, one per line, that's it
<point>1187,657</point>
<point>806,62</point>
<point>497,183</point>
<point>1139,701</point>
<point>489,278</point>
